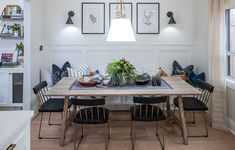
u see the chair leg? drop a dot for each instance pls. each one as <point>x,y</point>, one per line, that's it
<point>40,128</point>
<point>156,128</point>
<point>204,114</point>
<point>132,135</point>
<point>49,121</point>
<point>76,142</point>
<point>205,124</point>
<point>106,129</point>
<point>194,119</point>
<point>162,142</point>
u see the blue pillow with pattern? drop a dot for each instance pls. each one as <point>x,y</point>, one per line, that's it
<point>58,73</point>
<point>177,69</point>
<point>193,79</point>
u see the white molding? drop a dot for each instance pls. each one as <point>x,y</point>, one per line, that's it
<point>230,83</point>
<point>121,44</point>
<point>231,126</point>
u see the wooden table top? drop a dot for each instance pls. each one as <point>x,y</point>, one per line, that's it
<point>179,87</point>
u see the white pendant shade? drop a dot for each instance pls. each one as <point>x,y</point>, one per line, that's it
<point>121,31</point>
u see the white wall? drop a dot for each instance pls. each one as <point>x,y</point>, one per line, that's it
<point>34,33</point>
<point>65,42</point>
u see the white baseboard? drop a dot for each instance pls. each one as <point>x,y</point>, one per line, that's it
<point>231,126</point>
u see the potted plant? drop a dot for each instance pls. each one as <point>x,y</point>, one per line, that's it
<point>122,72</point>
<point>16,29</point>
<point>20,49</point>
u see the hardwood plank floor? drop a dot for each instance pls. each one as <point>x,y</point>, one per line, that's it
<point>120,136</point>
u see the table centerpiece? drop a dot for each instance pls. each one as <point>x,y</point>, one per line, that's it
<point>122,72</point>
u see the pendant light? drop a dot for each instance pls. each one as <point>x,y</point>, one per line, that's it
<point>121,29</point>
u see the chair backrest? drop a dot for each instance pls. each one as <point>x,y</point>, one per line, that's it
<point>94,108</point>
<point>147,105</point>
<point>206,89</point>
<point>39,90</point>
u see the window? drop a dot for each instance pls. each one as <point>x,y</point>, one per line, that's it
<point>230,52</point>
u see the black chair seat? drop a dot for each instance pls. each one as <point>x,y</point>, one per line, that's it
<point>158,115</point>
<point>53,105</point>
<point>191,104</point>
<point>94,115</point>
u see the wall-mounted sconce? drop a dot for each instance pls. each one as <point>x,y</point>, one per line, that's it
<point>70,15</point>
<point>171,16</point>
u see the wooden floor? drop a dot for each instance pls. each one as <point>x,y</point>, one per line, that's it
<point>120,137</point>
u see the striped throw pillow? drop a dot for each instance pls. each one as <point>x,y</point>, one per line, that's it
<point>78,73</point>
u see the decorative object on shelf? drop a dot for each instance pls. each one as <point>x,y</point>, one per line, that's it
<point>93,18</point>
<point>120,18</point>
<point>12,12</point>
<point>16,30</point>
<point>20,49</point>
<point>171,16</point>
<point>7,57</point>
<point>6,31</point>
<point>142,79</point>
<point>70,15</point>
<point>122,72</point>
<point>148,18</point>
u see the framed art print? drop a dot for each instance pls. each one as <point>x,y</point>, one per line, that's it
<point>93,18</point>
<point>118,10</point>
<point>148,18</point>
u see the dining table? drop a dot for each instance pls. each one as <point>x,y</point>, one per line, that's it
<point>174,86</point>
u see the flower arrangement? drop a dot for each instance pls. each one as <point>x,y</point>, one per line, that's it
<point>122,72</point>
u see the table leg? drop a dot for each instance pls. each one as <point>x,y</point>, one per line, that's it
<point>64,122</point>
<point>168,107</point>
<point>183,121</point>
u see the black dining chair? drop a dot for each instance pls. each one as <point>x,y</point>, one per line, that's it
<point>90,112</point>
<point>197,103</point>
<point>148,109</point>
<point>48,104</point>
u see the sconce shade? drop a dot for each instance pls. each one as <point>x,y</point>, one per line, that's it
<point>171,16</point>
<point>121,31</point>
<point>70,15</point>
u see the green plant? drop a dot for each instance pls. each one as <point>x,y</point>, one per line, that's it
<point>16,27</point>
<point>122,72</point>
<point>20,49</point>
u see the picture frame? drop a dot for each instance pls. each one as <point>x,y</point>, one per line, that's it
<point>93,18</point>
<point>148,18</point>
<point>7,57</point>
<point>115,14</point>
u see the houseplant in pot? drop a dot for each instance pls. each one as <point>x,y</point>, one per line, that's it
<point>16,30</point>
<point>122,72</point>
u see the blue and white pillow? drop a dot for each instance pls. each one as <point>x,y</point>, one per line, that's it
<point>78,73</point>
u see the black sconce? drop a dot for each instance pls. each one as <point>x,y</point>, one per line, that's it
<point>172,20</point>
<point>70,15</point>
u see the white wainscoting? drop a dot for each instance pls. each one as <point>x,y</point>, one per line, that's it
<point>146,58</point>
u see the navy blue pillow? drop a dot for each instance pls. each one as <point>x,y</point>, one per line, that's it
<point>58,73</point>
<point>194,79</point>
<point>177,69</point>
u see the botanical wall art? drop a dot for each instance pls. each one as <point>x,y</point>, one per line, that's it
<point>93,19</point>
<point>120,10</point>
<point>148,18</point>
